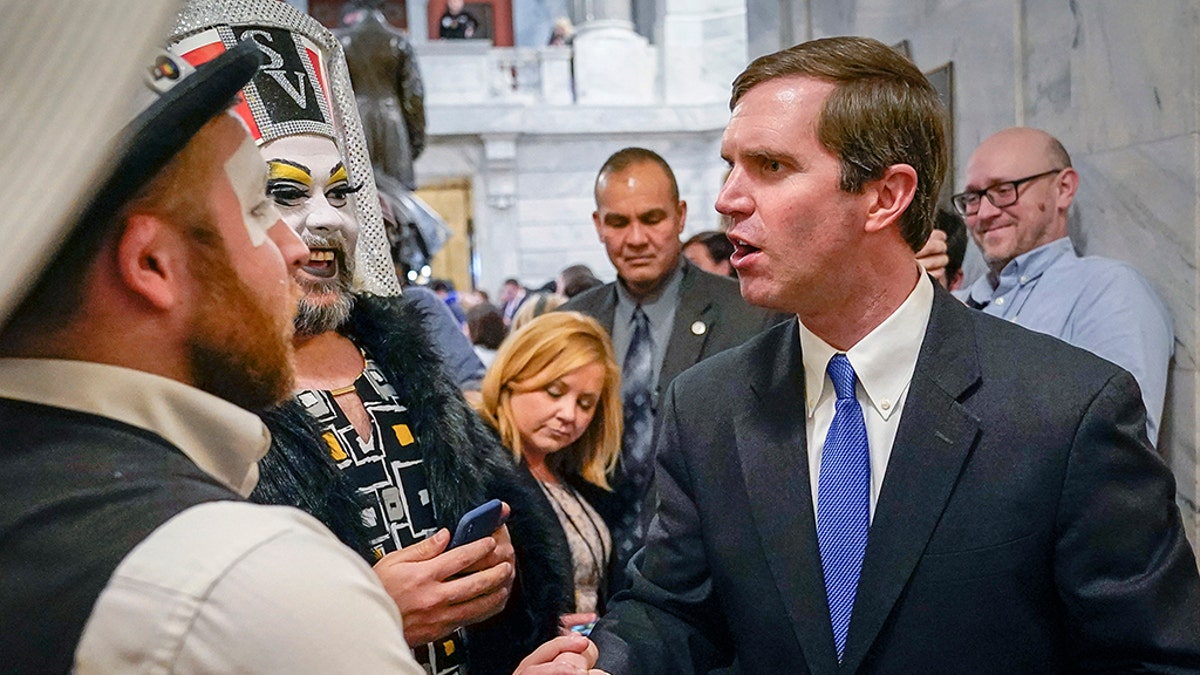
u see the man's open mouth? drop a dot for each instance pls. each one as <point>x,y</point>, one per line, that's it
<point>741,250</point>
<point>322,263</point>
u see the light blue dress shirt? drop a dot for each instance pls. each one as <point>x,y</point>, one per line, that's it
<point>1104,306</point>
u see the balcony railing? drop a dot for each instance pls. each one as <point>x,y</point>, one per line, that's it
<point>474,72</point>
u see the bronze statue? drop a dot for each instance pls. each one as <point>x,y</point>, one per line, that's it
<point>388,90</point>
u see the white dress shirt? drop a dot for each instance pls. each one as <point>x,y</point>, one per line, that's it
<point>224,586</point>
<point>884,361</point>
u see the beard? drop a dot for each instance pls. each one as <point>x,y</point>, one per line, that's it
<point>238,349</point>
<point>326,303</point>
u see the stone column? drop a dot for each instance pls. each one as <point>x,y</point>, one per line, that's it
<point>703,49</point>
<point>497,245</point>
<point>417,12</point>
<point>588,11</point>
<point>557,86</point>
<point>613,64</point>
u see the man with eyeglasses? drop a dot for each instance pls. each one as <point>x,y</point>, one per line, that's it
<point>1020,186</point>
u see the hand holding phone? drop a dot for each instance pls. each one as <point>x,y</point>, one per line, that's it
<point>478,523</point>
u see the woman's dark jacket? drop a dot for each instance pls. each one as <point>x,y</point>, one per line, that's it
<point>465,464</point>
<point>607,506</point>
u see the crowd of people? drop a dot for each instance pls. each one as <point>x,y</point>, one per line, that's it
<point>782,448</point>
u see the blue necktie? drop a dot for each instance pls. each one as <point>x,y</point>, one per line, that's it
<point>843,500</point>
<point>637,457</point>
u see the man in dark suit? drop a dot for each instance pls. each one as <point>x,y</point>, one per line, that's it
<point>685,315</point>
<point>893,483</point>
<point>710,317</point>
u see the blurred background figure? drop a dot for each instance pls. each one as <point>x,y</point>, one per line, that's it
<point>553,395</point>
<point>471,299</point>
<point>457,23</point>
<point>538,304</point>
<point>710,252</point>
<point>448,339</point>
<point>563,33</point>
<point>512,295</point>
<point>485,327</point>
<point>445,290</point>
<point>956,246</point>
<point>576,279</point>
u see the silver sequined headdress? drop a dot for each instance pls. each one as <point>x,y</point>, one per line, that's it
<point>303,88</point>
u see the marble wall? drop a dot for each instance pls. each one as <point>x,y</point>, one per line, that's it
<point>531,164</point>
<point>1117,83</point>
<point>532,191</point>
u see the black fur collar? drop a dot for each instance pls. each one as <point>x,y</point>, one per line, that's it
<point>465,465</point>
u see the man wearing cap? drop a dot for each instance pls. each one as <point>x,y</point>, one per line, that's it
<point>376,441</point>
<point>129,440</point>
<point>126,403</point>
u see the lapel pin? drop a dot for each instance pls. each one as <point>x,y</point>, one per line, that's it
<point>699,328</point>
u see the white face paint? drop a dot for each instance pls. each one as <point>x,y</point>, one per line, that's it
<point>309,183</point>
<point>247,174</point>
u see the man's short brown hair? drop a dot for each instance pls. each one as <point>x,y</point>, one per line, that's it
<point>881,112</point>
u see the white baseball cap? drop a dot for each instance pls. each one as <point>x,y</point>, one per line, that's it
<point>70,71</point>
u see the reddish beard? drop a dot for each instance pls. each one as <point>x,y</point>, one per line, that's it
<point>238,348</point>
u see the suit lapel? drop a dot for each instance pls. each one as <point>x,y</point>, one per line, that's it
<point>772,448</point>
<point>686,344</point>
<point>934,439</point>
<point>605,310</point>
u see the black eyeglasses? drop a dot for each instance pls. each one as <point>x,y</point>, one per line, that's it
<point>1000,194</point>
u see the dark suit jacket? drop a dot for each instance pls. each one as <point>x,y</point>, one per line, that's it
<point>714,301</point>
<point>1024,524</point>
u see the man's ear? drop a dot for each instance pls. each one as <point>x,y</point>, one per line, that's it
<point>682,215</point>
<point>152,260</point>
<point>1065,187</point>
<point>599,229</point>
<point>889,196</point>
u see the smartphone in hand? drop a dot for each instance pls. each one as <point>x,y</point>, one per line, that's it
<point>584,629</point>
<point>478,523</point>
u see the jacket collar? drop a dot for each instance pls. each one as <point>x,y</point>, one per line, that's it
<point>935,438</point>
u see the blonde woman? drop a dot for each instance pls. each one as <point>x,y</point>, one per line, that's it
<point>553,394</point>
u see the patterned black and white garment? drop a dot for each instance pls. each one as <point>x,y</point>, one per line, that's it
<point>388,471</point>
<point>438,460</point>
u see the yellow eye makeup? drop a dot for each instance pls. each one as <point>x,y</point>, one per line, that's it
<point>282,169</point>
<point>338,174</point>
